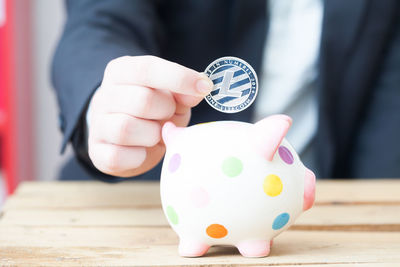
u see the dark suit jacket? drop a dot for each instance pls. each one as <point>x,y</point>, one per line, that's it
<point>359,66</point>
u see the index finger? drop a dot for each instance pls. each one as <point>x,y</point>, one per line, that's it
<point>158,73</point>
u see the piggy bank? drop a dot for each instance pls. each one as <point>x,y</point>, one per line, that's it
<point>232,183</point>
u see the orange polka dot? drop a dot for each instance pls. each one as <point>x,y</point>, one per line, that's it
<point>216,231</point>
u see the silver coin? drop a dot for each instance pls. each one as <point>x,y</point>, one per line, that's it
<point>235,84</point>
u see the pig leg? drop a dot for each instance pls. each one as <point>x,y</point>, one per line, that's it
<point>309,190</point>
<point>191,248</point>
<point>253,249</point>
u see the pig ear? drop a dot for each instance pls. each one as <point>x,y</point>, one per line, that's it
<point>269,133</point>
<point>170,131</point>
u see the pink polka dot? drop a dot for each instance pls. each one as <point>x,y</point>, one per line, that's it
<point>199,197</point>
<point>174,162</point>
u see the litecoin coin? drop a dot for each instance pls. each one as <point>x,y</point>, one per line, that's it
<point>235,84</point>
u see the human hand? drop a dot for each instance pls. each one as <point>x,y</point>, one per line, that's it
<point>137,96</point>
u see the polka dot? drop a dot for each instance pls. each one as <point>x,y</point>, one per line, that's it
<point>174,162</point>
<point>172,215</point>
<point>285,155</point>
<point>280,221</point>
<point>199,197</point>
<point>216,231</point>
<point>232,166</point>
<point>272,185</point>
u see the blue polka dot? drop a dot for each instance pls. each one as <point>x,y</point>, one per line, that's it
<point>280,221</point>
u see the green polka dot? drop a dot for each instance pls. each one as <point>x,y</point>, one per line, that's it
<point>172,216</point>
<point>232,166</point>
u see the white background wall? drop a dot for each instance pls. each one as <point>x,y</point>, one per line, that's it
<point>48,18</point>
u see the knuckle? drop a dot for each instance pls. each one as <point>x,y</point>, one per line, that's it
<point>148,58</point>
<point>106,162</point>
<point>124,58</point>
<point>154,135</point>
<point>122,131</point>
<point>140,157</point>
<point>112,161</point>
<point>146,61</point>
<point>143,68</point>
<point>113,65</point>
<point>96,130</point>
<point>146,102</point>
<point>171,105</point>
<point>91,153</point>
<point>179,80</point>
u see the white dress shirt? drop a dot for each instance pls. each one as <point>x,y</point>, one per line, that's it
<point>288,76</point>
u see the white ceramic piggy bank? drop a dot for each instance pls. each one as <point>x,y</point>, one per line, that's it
<point>233,183</point>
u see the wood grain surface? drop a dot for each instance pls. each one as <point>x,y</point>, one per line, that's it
<point>353,223</point>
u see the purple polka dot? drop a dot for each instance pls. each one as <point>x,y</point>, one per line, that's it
<point>285,154</point>
<point>174,162</point>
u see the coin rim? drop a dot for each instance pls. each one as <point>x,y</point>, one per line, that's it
<point>249,66</point>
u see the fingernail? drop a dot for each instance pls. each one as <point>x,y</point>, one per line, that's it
<point>204,85</point>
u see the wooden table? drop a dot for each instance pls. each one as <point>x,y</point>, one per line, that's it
<point>92,223</point>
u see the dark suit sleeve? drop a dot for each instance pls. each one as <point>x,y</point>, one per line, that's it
<point>377,146</point>
<point>96,32</point>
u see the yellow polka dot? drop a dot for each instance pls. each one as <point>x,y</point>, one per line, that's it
<point>272,185</point>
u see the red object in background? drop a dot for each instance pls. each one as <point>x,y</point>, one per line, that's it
<point>15,94</point>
